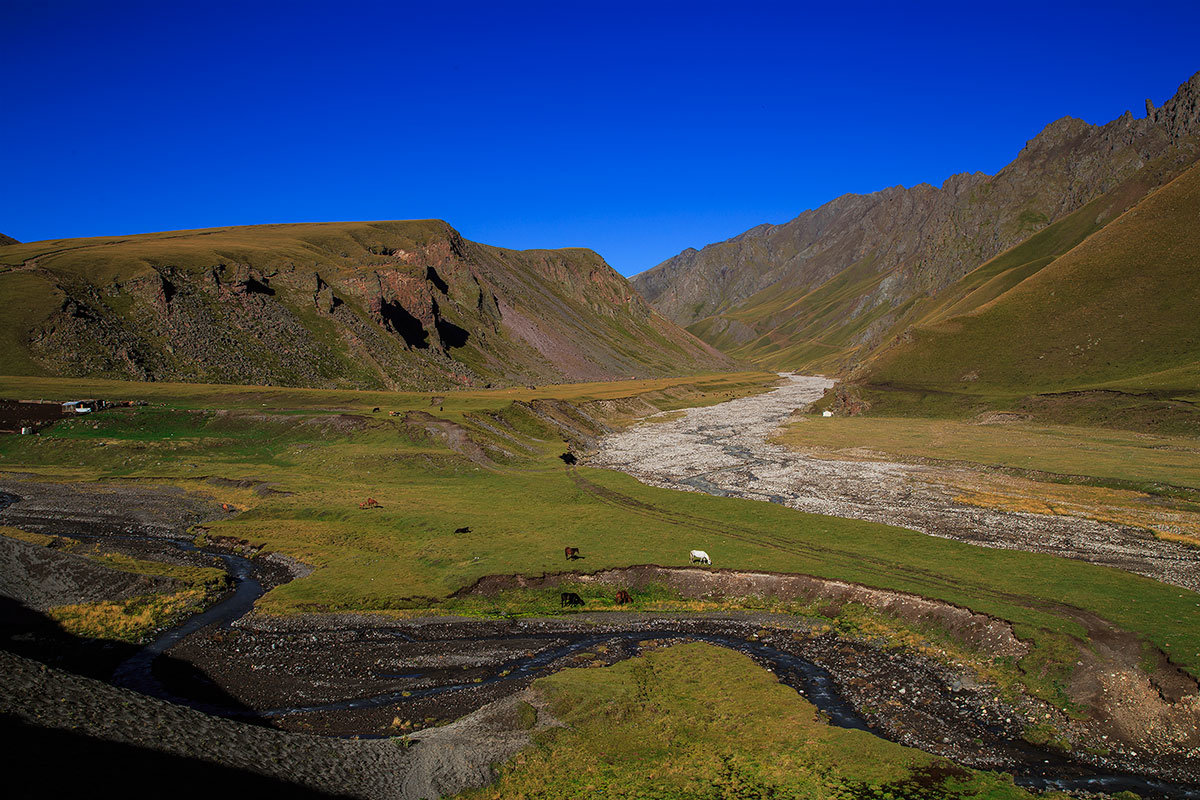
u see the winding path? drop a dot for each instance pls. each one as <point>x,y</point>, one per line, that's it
<point>726,450</point>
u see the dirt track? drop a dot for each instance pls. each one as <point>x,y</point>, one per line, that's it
<point>726,450</point>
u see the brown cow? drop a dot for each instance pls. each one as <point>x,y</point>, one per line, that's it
<point>572,553</point>
<point>570,599</point>
<point>623,597</point>
<point>370,502</point>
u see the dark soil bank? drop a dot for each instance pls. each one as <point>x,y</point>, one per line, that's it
<point>108,509</point>
<point>348,674</point>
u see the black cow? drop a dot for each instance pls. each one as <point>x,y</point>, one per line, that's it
<point>570,599</point>
<point>463,530</point>
<point>569,458</point>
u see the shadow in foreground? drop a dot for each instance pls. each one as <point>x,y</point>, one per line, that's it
<point>51,762</point>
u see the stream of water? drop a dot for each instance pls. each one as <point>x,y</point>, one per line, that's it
<point>815,683</point>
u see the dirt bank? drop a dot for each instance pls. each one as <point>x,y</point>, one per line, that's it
<point>725,450</point>
<point>978,630</point>
<point>41,577</point>
<point>93,508</point>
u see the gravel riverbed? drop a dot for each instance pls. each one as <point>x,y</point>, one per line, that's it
<point>726,450</point>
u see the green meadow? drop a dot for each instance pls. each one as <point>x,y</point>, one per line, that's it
<point>698,721</point>
<point>298,463</point>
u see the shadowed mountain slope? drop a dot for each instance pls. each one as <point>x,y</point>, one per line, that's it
<point>824,290</point>
<point>7,240</point>
<point>368,304</point>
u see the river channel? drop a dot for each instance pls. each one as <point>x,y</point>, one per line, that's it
<point>342,677</point>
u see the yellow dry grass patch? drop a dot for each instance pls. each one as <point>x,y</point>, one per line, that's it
<point>126,620</point>
<point>1117,506</point>
<point>1058,449</point>
<point>25,536</point>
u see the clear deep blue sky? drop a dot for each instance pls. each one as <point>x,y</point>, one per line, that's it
<point>636,129</point>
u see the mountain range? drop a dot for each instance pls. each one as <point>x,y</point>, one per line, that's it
<point>832,287</point>
<point>399,305</point>
<point>1073,269</point>
<point>1110,326</point>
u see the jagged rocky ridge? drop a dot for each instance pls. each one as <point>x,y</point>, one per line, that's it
<point>827,287</point>
<point>371,305</point>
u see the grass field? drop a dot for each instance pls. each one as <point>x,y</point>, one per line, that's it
<point>697,721</point>
<point>320,453</point>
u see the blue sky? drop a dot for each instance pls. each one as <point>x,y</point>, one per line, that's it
<point>636,129</point>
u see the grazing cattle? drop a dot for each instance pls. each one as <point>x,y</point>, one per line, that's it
<point>467,529</point>
<point>370,502</point>
<point>623,597</point>
<point>569,458</point>
<point>570,599</point>
<point>699,556</point>
<point>572,553</point>
<point>375,410</point>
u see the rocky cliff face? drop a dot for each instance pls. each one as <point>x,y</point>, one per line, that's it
<point>848,269</point>
<point>394,304</point>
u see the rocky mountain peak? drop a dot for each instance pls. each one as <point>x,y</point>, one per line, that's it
<point>1059,134</point>
<point>1181,114</point>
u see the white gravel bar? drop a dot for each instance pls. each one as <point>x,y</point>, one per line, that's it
<point>726,450</point>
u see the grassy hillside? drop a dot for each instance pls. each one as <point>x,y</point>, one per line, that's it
<point>367,305</point>
<point>698,721</point>
<point>843,320</point>
<point>1116,314</point>
<point>826,290</point>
